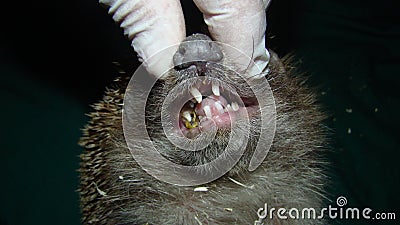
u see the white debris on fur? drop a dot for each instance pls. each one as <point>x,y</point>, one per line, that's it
<point>202,189</point>
<point>102,193</point>
<point>238,183</point>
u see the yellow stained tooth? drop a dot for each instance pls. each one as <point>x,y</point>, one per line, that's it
<point>190,119</point>
<point>187,116</point>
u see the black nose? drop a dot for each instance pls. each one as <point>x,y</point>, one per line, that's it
<point>197,49</point>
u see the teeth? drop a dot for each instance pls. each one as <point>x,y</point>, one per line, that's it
<point>207,111</point>
<point>215,89</point>
<point>228,108</point>
<point>235,106</point>
<point>196,94</point>
<point>219,107</point>
<point>187,116</point>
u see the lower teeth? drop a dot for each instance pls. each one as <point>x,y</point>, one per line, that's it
<point>190,119</point>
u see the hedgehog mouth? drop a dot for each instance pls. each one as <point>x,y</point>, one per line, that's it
<point>213,104</point>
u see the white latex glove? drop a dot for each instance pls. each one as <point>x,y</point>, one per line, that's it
<point>241,24</point>
<point>152,25</point>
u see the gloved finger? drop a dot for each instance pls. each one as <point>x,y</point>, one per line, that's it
<point>241,24</point>
<point>152,25</point>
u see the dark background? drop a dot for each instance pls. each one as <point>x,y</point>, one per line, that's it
<point>56,59</point>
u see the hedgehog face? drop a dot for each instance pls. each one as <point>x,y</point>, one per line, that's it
<point>207,98</point>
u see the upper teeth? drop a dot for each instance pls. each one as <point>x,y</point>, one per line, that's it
<point>215,89</point>
<point>235,106</point>
<point>196,94</point>
<point>228,108</point>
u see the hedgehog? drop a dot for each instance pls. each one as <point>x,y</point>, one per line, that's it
<point>116,189</point>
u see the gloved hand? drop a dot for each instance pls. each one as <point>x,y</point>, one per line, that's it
<point>154,25</point>
<point>241,24</point>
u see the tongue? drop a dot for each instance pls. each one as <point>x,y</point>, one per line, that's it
<point>216,104</point>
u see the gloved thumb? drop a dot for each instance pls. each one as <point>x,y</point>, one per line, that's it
<point>242,25</point>
<point>152,25</point>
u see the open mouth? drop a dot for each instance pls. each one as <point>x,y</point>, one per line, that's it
<point>213,103</point>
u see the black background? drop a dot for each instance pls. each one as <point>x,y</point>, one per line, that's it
<point>56,59</point>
